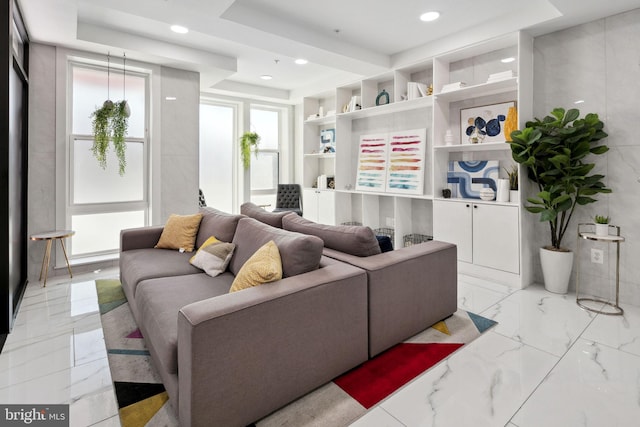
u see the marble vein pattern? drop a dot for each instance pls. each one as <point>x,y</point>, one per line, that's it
<point>56,353</point>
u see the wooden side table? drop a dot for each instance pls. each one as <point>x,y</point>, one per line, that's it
<point>50,236</point>
<point>610,238</point>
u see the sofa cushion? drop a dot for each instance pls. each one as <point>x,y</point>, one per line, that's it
<point>252,210</point>
<point>180,232</point>
<point>160,300</point>
<point>300,253</point>
<point>355,240</point>
<point>140,264</point>
<point>216,223</point>
<point>213,256</point>
<point>264,266</point>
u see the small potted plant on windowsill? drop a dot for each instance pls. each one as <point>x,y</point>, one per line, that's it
<point>602,225</point>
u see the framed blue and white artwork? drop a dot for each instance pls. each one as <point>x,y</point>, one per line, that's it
<point>468,178</point>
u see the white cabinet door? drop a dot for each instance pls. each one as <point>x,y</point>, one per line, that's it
<point>452,223</point>
<point>326,207</point>
<point>496,237</point>
<point>310,204</point>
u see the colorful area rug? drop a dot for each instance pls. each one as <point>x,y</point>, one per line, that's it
<point>143,401</point>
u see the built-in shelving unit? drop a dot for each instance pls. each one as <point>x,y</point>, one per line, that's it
<point>355,113</point>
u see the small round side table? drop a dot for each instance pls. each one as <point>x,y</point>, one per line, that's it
<point>610,238</point>
<point>50,236</point>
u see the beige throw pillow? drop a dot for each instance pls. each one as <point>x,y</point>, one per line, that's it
<point>263,266</point>
<point>213,256</point>
<point>180,232</point>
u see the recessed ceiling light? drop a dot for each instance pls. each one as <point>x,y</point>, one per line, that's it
<point>179,29</point>
<point>301,61</point>
<point>507,60</point>
<point>266,77</point>
<point>430,16</point>
<point>170,98</point>
<point>579,101</point>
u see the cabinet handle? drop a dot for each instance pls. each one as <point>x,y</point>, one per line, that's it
<point>467,204</point>
<point>475,206</point>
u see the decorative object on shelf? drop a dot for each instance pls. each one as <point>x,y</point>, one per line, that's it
<point>452,86</point>
<point>416,90</point>
<point>487,194</point>
<point>554,150</point>
<point>328,140</point>
<point>430,89</point>
<point>382,98</point>
<point>331,182</point>
<point>405,173</point>
<point>372,163</point>
<point>448,137</point>
<point>602,225</point>
<point>502,195</point>
<point>322,182</point>
<point>321,111</point>
<point>470,177</point>
<point>483,124</point>
<point>504,75</point>
<point>446,193</point>
<point>514,196</point>
<point>247,141</point>
<point>354,104</point>
<point>511,123</point>
<point>111,122</point>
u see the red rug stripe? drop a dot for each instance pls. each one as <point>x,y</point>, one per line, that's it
<point>377,378</point>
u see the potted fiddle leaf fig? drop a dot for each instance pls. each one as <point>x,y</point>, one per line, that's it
<point>248,140</point>
<point>556,152</point>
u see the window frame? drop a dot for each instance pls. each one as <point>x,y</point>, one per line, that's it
<point>70,207</point>
<point>283,138</point>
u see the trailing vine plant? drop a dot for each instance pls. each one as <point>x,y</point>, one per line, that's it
<point>248,140</point>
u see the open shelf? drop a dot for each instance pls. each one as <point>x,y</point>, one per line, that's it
<point>394,107</point>
<point>321,155</point>
<point>382,193</point>
<point>488,146</point>
<point>479,90</point>
<point>326,120</point>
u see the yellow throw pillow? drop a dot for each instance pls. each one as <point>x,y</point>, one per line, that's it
<point>180,232</point>
<point>213,256</point>
<point>264,266</point>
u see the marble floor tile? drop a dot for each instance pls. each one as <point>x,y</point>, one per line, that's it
<point>377,417</point>
<point>483,384</point>
<point>477,299</point>
<point>541,319</point>
<point>621,332</point>
<point>109,422</point>
<point>88,346</point>
<point>593,385</point>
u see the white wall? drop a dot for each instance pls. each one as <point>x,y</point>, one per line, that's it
<point>599,63</point>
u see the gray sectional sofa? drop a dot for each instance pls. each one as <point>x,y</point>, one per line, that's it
<point>229,359</point>
<point>232,358</point>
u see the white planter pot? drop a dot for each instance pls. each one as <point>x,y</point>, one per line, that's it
<point>556,269</point>
<point>514,196</point>
<point>602,229</point>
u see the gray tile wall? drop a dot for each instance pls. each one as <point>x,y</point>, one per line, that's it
<point>599,63</point>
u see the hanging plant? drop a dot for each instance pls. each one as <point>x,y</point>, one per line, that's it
<point>248,140</point>
<point>111,121</point>
<point>100,121</point>
<point>119,127</point>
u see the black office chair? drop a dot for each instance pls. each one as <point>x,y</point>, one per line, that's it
<point>289,198</point>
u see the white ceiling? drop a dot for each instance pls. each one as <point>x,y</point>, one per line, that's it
<point>232,42</point>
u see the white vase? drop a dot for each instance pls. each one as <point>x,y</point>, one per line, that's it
<point>602,229</point>
<point>514,196</point>
<point>502,194</point>
<point>556,269</point>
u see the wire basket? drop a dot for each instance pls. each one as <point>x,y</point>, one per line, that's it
<point>389,232</point>
<point>414,239</point>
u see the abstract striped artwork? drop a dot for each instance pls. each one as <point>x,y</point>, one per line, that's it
<point>372,163</point>
<point>393,162</point>
<point>405,173</point>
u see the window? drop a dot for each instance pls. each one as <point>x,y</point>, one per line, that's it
<point>265,168</point>
<point>100,201</point>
